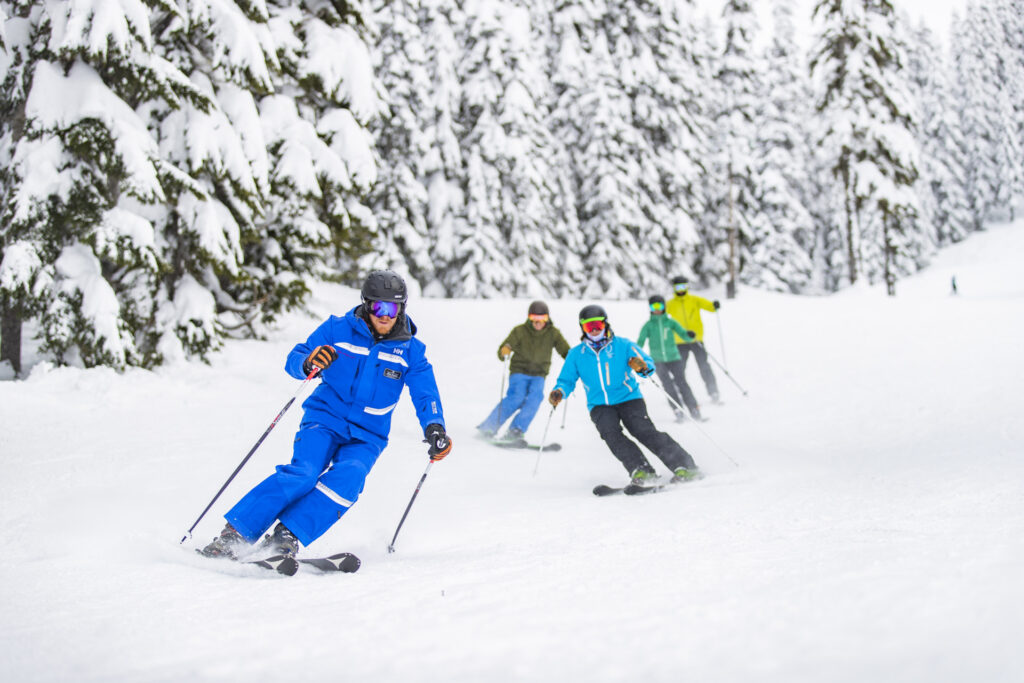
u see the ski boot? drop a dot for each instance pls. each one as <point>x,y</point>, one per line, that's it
<point>513,435</point>
<point>680,416</point>
<point>281,542</point>
<point>682,474</point>
<point>226,545</point>
<point>642,477</point>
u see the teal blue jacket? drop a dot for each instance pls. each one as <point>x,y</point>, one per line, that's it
<point>606,375</point>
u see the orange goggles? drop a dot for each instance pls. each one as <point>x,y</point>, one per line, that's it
<point>538,317</point>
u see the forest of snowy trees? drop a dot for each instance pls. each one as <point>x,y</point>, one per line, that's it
<point>175,172</point>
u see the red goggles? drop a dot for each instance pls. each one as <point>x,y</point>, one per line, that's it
<point>384,309</point>
<point>592,325</point>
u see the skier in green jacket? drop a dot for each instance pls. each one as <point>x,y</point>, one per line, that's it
<point>661,331</point>
<point>529,345</point>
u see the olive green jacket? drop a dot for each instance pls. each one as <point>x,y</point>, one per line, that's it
<point>531,349</point>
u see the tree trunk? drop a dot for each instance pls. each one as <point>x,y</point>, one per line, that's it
<point>10,336</point>
<point>851,253</point>
<point>730,286</point>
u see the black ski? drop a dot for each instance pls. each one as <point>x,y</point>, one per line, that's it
<point>282,564</point>
<point>342,562</point>
<point>524,444</point>
<point>640,489</point>
<point>602,490</point>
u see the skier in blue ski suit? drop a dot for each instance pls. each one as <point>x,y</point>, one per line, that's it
<point>364,359</point>
<point>606,365</point>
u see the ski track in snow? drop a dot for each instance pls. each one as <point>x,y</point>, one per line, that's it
<point>872,531</point>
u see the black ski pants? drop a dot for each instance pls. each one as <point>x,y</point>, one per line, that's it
<point>702,364</point>
<point>673,378</point>
<point>632,415</point>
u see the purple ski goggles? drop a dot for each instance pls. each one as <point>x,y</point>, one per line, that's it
<point>384,309</point>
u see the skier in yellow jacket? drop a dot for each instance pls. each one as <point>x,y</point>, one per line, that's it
<point>685,308</point>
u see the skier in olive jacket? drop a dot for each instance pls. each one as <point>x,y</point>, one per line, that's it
<point>529,345</point>
<point>662,330</point>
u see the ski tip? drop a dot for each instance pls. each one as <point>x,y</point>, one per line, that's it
<point>282,564</point>
<point>346,562</point>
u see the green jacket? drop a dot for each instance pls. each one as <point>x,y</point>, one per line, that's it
<point>531,349</point>
<point>662,331</point>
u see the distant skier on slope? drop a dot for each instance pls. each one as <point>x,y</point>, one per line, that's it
<point>662,331</point>
<point>605,364</point>
<point>686,308</point>
<point>364,358</point>
<point>530,345</point>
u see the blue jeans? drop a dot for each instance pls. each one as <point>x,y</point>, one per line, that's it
<point>525,392</point>
<point>312,492</point>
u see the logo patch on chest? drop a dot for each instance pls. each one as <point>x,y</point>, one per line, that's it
<point>393,374</point>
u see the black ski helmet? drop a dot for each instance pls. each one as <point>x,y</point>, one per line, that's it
<point>592,311</point>
<point>385,285</point>
<point>656,299</point>
<point>538,308</point>
<point>679,280</point>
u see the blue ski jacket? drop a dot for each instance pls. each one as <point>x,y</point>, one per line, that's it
<point>360,389</point>
<point>607,377</point>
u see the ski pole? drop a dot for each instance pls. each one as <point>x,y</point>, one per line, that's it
<point>391,546</point>
<point>251,451</point>
<point>565,411</point>
<point>726,372</point>
<point>679,407</point>
<point>721,337</point>
<point>501,396</point>
<point>543,440</point>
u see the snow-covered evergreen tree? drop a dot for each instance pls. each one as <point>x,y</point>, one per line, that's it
<point>82,175</point>
<point>512,208</point>
<point>400,198</point>
<point>991,150</point>
<point>783,229</point>
<point>864,97</point>
<point>944,206</point>
<point>177,168</point>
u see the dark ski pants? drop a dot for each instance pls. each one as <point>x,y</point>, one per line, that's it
<point>632,415</point>
<point>673,377</point>
<point>701,355</point>
<point>312,492</point>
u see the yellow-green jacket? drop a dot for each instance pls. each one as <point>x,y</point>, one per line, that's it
<point>686,310</point>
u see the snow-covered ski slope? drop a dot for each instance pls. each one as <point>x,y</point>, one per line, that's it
<point>872,531</point>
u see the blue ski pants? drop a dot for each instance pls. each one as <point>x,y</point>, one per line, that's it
<point>312,492</point>
<point>525,392</point>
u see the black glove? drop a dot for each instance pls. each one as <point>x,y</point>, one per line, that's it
<point>691,334</point>
<point>322,357</point>
<point>440,444</point>
<point>716,304</point>
<point>555,397</point>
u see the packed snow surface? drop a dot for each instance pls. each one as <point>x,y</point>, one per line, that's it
<point>870,530</point>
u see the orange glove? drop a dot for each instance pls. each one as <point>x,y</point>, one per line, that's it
<point>555,397</point>
<point>322,357</point>
<point>640,366</point>
<point>506,351</point>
